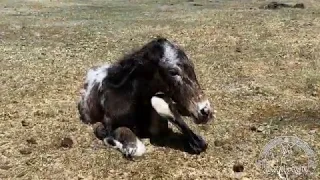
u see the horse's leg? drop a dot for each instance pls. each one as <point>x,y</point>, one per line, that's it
<point>166,109</point>
<point>124,140</point>
<point>103,128</point>
<point>158,125</point>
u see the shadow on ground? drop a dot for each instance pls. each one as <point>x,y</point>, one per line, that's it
<point>173,140</point>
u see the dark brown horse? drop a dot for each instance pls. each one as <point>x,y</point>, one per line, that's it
<point>126,95</point>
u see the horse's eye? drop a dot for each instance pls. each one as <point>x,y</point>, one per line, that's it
<point>173,72</point>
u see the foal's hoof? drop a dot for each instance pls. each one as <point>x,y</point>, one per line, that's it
<point>198,145</point>
<point>99,131</point>
<point>129,152</point>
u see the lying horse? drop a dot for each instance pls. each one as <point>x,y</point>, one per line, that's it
<point>140,93</point>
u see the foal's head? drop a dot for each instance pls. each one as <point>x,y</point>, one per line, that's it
<point>177,71</point>
<point>168,62</point>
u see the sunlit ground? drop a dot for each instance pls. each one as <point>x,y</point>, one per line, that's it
<point>260,68</point>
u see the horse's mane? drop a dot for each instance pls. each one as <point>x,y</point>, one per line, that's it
<point>123,69</point>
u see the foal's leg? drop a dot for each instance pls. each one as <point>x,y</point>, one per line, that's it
<point>120,138</point>
<point>158,125</point>
<point>104,128</point>
<point>124,140</point>
<point>166,109</point>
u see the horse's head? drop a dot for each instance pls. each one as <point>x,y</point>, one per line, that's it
<point>177,71</point>
<point>162,60</point>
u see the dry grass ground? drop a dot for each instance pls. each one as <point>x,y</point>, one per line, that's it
<point>259,67</point>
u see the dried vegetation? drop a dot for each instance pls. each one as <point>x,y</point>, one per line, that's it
<point>260,68</point>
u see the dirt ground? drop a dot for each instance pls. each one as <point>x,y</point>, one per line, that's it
<point>260,68</point>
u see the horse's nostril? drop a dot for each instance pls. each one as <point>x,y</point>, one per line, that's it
<point>204,112</point>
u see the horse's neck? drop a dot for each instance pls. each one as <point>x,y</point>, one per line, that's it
<point>157,84</point>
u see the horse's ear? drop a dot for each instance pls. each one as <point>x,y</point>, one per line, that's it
<point>155,51</point>
<point>161,39</point>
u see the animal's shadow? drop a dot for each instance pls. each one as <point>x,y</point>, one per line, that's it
<point>173,140</point>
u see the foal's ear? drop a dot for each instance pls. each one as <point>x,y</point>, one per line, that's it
<point>155,51</point>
